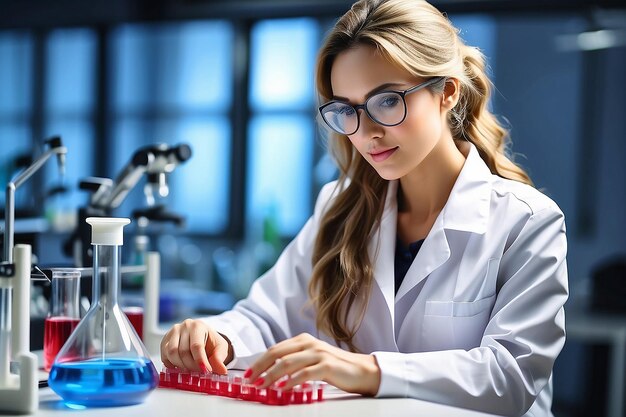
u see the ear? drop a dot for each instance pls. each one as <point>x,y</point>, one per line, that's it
<point>451,94</point>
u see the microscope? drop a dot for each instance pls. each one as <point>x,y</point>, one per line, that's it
<point>154,161</point>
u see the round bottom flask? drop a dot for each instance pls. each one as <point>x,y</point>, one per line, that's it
<point>104,363</point>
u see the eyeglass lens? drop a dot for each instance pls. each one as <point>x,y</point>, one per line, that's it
<point>386,108</point>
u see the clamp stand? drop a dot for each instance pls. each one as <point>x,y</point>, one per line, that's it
<point>152,335</point>
<point>18,392</point>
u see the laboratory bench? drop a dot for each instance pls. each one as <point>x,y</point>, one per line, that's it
<point>165,402</point>
<point>173,403</point>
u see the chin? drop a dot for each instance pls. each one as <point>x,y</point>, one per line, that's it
<point>389,174</point>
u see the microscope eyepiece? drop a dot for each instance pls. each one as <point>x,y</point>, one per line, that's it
<point>182,152</point>
<point>54,142</point>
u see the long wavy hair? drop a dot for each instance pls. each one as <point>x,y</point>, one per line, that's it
<point>415,36</point>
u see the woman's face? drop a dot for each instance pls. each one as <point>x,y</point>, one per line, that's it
<point>397,150</point>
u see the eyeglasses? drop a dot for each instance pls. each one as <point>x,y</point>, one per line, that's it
<point>387,108</point>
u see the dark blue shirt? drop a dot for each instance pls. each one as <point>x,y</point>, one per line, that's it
<point>404,259</point>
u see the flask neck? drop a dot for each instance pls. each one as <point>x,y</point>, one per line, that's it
<point>106,274</point>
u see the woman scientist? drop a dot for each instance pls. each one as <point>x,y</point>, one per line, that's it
<point>432,268</point>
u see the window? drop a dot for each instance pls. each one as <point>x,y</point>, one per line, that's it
<point>480,31</point>
<point>281,129</point>
<point>15,106</point>
<point>172,84</point>
<point>280,155</point>
<point>70,71</point>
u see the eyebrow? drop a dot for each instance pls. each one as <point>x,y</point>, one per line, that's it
<point>371,93</point>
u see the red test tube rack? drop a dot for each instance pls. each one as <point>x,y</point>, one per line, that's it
<point>235,386</point>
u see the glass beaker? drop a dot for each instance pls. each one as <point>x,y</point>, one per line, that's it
<point>64,314</point>
<point>104,363</point>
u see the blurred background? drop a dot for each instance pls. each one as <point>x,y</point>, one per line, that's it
<point>233,81</point>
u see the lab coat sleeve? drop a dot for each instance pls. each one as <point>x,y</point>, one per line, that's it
<point>276,307</point>
<point>524,335</point>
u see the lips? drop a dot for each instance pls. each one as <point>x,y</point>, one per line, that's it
<point>379,156</point>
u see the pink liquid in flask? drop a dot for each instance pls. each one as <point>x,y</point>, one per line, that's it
<point>56,332</point>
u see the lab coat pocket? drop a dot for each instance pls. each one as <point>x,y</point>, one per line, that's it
<point>454,324</point>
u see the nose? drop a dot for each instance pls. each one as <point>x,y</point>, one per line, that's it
<point>367,127</point>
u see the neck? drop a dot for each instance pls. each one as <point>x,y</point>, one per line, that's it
<point>425,190</point>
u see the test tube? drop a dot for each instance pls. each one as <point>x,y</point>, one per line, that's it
<point>320,391</point>
<point>307,390</point>
<point>235,389</point>
<point>298,395</point>
<point>194,382</point>
<point>184,378</point>
<point>205,381</point>
<point>224,385</point>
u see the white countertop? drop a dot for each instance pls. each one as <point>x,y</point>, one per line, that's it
<point>164,402</point>
<point>174,403</point>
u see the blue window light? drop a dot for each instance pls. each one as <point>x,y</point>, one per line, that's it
<point>281,131</point>
<point>280,166</point>
<point>282,62</point>
<point>173,84</point>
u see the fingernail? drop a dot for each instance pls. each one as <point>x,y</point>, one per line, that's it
<point>282,384</point>
<point>248,373</point>
<point>204,369</point>
<point>259,381</point>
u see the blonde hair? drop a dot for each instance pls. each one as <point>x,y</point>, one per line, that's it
<point>415,36</point>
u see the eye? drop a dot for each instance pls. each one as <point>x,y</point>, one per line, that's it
<point>389,101</point>
<point>384,101</point>
<point>345,111</point>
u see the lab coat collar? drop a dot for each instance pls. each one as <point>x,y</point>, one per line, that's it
<point>467,208</point>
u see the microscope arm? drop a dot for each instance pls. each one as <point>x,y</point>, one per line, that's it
<point>154,160</point>
<point>125,181</point>
<point>9,211</point>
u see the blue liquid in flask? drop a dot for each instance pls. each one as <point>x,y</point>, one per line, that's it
<point>104,383</point>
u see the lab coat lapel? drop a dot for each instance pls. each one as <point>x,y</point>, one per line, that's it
<point>467,209</point>
<point>382,249</point>
<point>433,253</point>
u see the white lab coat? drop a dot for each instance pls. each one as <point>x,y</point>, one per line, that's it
<point>478,320</point>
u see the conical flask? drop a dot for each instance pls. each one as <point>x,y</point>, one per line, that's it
<point>104,363</point>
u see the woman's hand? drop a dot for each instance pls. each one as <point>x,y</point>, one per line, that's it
<point>306,358</point>
<point>194,345</point>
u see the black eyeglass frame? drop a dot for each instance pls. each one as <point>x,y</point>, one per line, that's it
<point>363,106</point>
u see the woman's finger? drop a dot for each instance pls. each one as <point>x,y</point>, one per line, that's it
<point>167,363</point>
<point>287,365</point>
<point>198,336</point>
<point>170,349</point>
<point>163,347</point>
<point>310,373</point>
<point>279,350</point>
<point>184,347</point>
<point>217,351</point>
